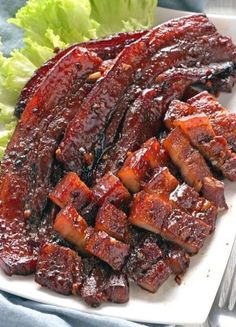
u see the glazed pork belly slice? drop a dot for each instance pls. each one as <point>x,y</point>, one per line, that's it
<point>107,189</point>
<point>71,226</point>
<point>112,221</point>
<point>143,118</point>
<point>161,181</point>
<point>23,166</point>
<point>139,164</point>
<point>206,103</point>
<point>82,134</point>
<point>215,149</point>
<point>192,166</point>
<point>71,190</point>
<point>175,257</point>
<point>110,189</point>
<point>102,285</point>
<point>157,214</point>
<point>106,248</point>
<point>187,199</point>
<point>107,48</point>
<point>182,196</point>
<point>222,121</point>
<point>59,269</point>
<point>146,266</point>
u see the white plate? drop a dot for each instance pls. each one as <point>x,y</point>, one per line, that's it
<point>189,303</point>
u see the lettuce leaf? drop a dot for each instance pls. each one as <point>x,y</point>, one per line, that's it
<point>68,21</point>
<point>50,24</point>
<point>122,15</point>
<point>7,102</point>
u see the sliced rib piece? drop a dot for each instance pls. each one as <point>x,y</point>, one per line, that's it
<point>153,278</point>
<point>112,221</point>
<point>107,48</point>
<point>110,189</point>
<point>71,190</point>
<point>117,288</point>
<point>106,248</point>
<point>93,287</point>
<point>71,226</point>
<point>145,264</point>
<point>223,122</point>
<point>102,285</point>
<point>23,165</point>
<point>190,162</point>
<point>206,103</point>
<point>187,199</point>
<point>162,182</point>
<point>101,102</point>
<point>182,196</point>
<point>175,257</point>
<point>60,269</point>
<point>139,164</point>
<point>192,165</point>
<point>157,214</point>
<point>214,148</point>
<point>213,190</point>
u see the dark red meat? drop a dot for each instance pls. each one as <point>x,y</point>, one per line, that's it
<point>107,48</point>
<point>60,269</point>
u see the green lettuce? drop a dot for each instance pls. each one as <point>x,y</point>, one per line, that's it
<point>50,24</point>
<point>122,15</point>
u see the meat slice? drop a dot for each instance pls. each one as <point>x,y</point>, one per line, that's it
<point>206,103</point>
<point>162,182</point>
<point>138,164</point>
<point>108,92</point>
<point>107,189</point>
<point>59,269</point>
<point>156,214</point>
<point>187,199</point>
<point>175,257</point>
<point>107,248</point>
<point>71,190</point>
<point>24,164</point>
<point>117,288</point>
<point>110,189</point>
<point>192,165</point>
<point>146,266</point>
<point>149,211</point>
<point>102,285</point>
<point>214,148</point>
<point>107,48</point>
<point>92,290</point>
<point>190,162</point>
<point>112,221</point>
<point>181,196</point>
<point>223,122</point>
<point>187,232</point>
<point>213,190</point>
<point>200,132</point>
<point>71,226</point>
<point>155,277</point>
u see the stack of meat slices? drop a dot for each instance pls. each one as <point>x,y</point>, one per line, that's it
<point>109,176</point>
